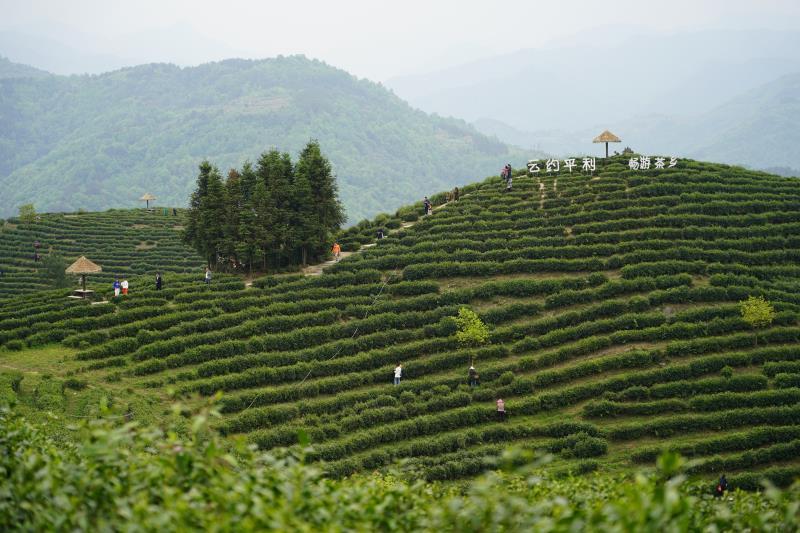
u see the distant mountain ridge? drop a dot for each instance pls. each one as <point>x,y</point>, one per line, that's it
<point>101,141</point>
<point>756,129</point>
<point>573,87</point>
<point>9,69</point>
<point>729,96</point>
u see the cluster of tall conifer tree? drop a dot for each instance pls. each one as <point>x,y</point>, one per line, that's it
<point>268,215</point>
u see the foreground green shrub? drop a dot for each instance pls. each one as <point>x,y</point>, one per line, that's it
<point>129,478</point>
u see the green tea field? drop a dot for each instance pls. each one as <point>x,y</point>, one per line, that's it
<point>615,333</point>
<point>124,242</point>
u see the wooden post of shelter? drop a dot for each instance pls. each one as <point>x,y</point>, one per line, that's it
<point>82,267</point>
<point>607,137</point>
<point>147,198</point>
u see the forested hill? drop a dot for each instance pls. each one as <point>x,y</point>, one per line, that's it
<point>9,69</point>
<point>95,142</point>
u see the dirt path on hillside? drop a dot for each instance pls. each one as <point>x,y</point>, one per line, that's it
<point>316,270</point>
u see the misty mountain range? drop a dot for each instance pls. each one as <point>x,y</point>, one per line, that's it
<point>727,96</point>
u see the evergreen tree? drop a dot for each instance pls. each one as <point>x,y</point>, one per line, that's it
<point>233,208</point>
<point>275,171</point>
<point>265,221</point>
<point>247,180</point>
<point>213,217</point>
<point>305,224</point>
<point>206,214</point>
<point>266,212</point>
<point>193,232</point>
<point>325,213</point>
<point>247,246</point>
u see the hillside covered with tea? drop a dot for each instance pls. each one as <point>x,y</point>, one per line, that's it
<point>125,242</point>
<point>615,333</point>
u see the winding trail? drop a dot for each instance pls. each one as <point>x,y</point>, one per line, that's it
<point>317,270</point>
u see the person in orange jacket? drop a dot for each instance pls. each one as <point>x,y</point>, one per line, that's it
<point>337,251</point>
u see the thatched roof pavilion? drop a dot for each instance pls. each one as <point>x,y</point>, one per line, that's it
<point>147,197</point>
<point>607,137</point>
<point>82,267</point>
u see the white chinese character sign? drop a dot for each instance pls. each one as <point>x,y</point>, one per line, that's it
<point>588,164</point>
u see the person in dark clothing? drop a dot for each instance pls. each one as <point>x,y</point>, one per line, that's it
<point>174,212</point>
<point>473,377</point>
<point>380,234</point>
<point>427,205</point>
<point>455,194</point>
<point>722,486</point>
<point>158,281</point>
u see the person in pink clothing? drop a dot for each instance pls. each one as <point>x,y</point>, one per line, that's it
<point>501,410</point>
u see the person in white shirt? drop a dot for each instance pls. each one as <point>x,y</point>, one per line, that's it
<point>501,410</point>
<point>398,372</point>
<point>124,287</point>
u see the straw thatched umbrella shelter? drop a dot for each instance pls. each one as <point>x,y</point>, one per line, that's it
<point>607,137</point>
<point>82,267</point>
<point>147,198</point>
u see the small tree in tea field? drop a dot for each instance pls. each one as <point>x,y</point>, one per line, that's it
<point>54,270</point>
<point>27,214</point>
<point>472,332</point>
<point>757,312</point>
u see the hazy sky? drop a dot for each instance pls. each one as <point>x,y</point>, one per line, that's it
<point>375,39</point>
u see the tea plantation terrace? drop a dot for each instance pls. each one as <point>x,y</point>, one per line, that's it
<point>615,333</point>
<point>124,242</point>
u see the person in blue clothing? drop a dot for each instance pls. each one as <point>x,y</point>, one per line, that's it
<point>117,287</point>
<point>722,486</point>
